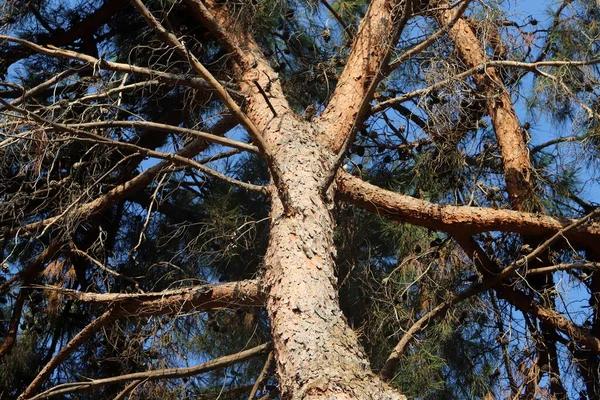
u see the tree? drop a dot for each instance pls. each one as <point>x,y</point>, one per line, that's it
<point>381,189</point>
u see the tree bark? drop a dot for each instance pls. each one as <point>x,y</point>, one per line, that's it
<point>316,352</point>
<point>318,355</point>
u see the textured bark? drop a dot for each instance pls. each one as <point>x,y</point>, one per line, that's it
<point>403,208</point>
<point>365,67</point>
<point>317,354</point>
<point>518,174</point>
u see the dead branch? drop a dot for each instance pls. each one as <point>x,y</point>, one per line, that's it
<point>166,77</point>
<point>198,298</point>
<point>133,185</point>
<point>166,128</point>
<point>195,298</point>
<point>172,373</point>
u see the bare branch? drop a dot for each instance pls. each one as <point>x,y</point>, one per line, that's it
<point>146,304</point>
<point>175,158</point>
<point>166,77</point>
<point>45,85</point>
<point>167,128</point>
<point>217,363</point>
<point>100,322</point>
<point>523,302</point>
<point>262,375</point>
<point>338,18</point>
<point>194,298</point>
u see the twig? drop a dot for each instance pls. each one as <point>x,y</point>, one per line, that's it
<point>261,376</point>
<point>339,19</point>
<point>128,389</point>
<point>265,96</point>
<point>42,86</point>
<point>167,128</point>
<point>562,267</point>
<point>153,201</point>
<point>103,267</point>
<point>133,185</point>
<point>177,79</point>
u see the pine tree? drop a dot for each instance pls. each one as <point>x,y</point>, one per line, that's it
<point>298,200</point>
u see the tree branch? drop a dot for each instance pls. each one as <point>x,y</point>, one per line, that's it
<point>130,187</point>
<point>371,50</point>
<point>220,362</point>
<point>531,67</point>
<point>265,150</point>
<point>108,317</point>
<point>448,218</point>
<point>175,158</point>
<point>194,298</point>
<point>166,77</point>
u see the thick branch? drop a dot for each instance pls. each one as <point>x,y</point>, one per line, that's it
<point>449,218</point>
<point>431,39</point>
<point>491,281</point>
<point>365,68</point>
<point>195,298</point>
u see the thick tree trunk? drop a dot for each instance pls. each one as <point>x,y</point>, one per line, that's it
<point>318,355</point>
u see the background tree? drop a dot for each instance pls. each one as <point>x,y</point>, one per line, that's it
<point>299,199</point>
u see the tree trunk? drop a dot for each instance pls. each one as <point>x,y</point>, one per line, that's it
<point>318,355</point>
